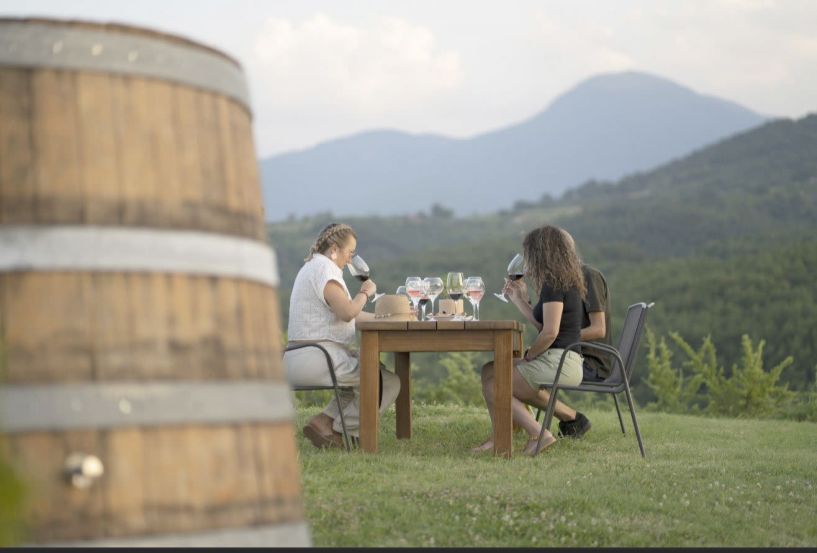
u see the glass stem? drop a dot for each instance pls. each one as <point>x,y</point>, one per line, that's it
<point>424,313</point>
<point>476,311</point>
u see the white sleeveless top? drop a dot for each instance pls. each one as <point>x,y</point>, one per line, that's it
<point>310,317</point>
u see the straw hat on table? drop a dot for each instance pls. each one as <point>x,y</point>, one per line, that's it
<point>393,307</point>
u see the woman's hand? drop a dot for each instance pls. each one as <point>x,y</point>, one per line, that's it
<point>369,288</point>
<point>516,290</point>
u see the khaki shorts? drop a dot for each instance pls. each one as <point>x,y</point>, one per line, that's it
<point>542,370</point>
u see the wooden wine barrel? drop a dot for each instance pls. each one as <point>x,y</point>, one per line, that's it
<point>139,329</point>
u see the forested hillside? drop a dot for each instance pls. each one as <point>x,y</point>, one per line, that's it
<point>760,185</point>
<point>724,241</point>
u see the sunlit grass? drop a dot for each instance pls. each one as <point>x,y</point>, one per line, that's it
<point>705,482</point>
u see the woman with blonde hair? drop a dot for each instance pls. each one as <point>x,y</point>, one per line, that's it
<point>554,269</point>
<point>321,309</point>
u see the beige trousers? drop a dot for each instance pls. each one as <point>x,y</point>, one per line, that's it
<point>307,367</point>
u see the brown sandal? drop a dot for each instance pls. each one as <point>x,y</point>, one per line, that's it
<point>321,440</point>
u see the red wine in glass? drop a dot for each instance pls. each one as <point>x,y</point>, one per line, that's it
<point>424,301</point>
<point>453,284</point>
<point>360,270</point>
<point>516,270</point>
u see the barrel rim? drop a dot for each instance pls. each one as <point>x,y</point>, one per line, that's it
<point>110,405</point>
<point>113,26</point>
<point>105,248</point>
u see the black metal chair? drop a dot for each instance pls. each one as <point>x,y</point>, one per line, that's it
<point>334,386</point>
<point>619,381</point>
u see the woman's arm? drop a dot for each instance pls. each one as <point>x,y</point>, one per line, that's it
<point>517,292</point>
<point>597,329</point>
<point>364,316</point>
<point>551,320</point>
<point>527,311</point>
<point>341,305</point>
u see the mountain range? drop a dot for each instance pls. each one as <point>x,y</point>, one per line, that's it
<point>604,128</point>
<point>722,240</point>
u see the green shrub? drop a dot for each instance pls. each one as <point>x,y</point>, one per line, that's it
<point>749,391</point>
<point>701,383</point>
<point>674,393</point>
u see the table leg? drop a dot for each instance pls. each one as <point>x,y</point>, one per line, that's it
<point>402,366</point>
<point>503,379</point>
<point>369,388</point>
<point>518,352</point>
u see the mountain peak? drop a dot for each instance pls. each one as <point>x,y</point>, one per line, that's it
<point>603,128</point>
<point>638,91</point>
<point>629,80</point>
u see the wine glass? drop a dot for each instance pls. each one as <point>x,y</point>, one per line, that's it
<point>425,298</point>
<point>475,289</point>
<point>360,270</point>
<point>414,289</point>
<point>401,291</point>
<point>453,283</point>
<point>515,271</point>
<point>435,288</point>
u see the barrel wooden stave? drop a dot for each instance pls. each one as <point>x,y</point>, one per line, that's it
<point>92,148</point>
<point>161,480</point>
<point>74,327</point>
<point>17,178</point>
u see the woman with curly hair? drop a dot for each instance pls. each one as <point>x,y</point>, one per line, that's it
<point>321,309</point>
<point>553,267</point>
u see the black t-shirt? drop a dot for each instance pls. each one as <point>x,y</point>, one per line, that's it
<point>571,323</point>
<point>597,299</point>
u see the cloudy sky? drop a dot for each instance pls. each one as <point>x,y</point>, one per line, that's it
<point>320,69</point>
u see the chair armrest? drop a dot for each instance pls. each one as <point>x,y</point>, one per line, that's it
<point>590,345</point>
<point>329,362</point>
<point>598,346</point>
<point>593,345</point>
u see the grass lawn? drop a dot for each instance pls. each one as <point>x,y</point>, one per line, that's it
<point>705,482</point>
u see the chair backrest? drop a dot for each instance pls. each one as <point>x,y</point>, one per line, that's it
<point>631,335</point>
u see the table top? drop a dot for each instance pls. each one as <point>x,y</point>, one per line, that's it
<point>440,325</point>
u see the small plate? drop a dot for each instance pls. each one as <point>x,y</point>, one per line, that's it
<point>450,318</point>
<point>441,317</point>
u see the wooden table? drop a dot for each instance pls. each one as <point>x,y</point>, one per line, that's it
<point>504,338</point>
